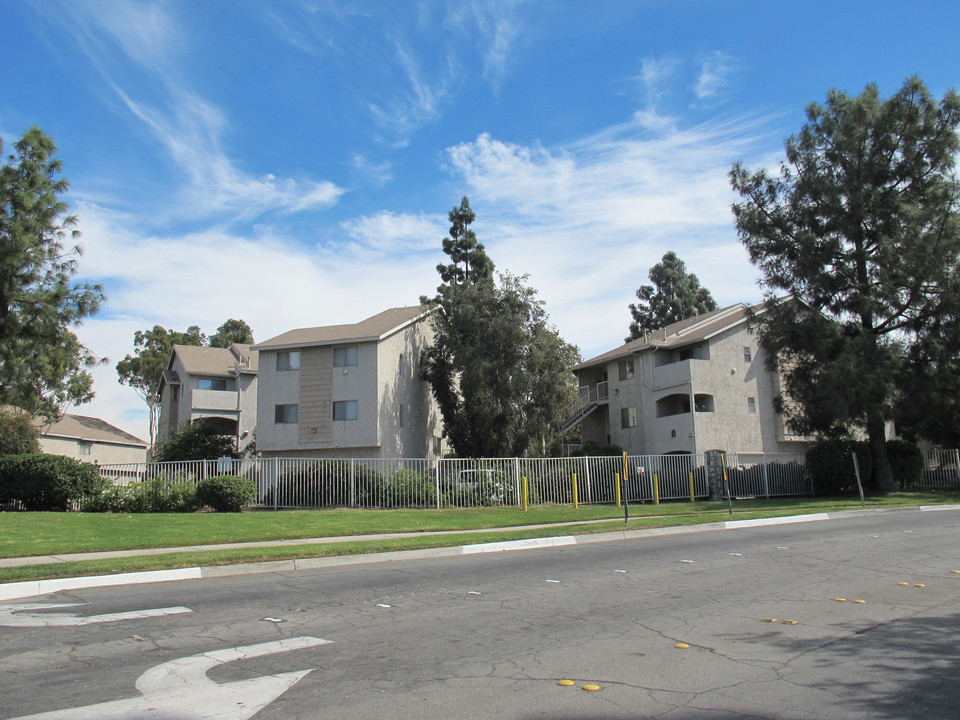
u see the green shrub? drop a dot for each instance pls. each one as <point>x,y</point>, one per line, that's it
<point>592,448</point>
<point>906,461</point>
<point>406,488</point>
<point>160,495</point>
<point>830,464</point>
<point>226,493</point>
<point>197,440</point>
<point>47,482</point>
<point>18,436</point>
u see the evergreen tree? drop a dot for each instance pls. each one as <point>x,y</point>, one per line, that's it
<point>860,227</point>
<point>43,366</point>
<point>677,296</point>
<point>498,370</point>
<point>232,331</point>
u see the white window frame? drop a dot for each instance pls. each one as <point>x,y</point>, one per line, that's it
<point>283,415</point>
<point>752,405</point>
<point>288,360</point>
<point>208,382</point>
<point>346,409</point>
<point>346,356</point>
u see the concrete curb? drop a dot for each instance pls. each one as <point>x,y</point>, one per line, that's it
<point>33,588</point>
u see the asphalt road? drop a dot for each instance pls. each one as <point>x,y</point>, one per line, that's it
<point>482,636</point>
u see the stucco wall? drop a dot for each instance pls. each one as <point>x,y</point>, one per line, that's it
<point>100,452</point>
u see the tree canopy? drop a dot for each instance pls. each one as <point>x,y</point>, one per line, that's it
<point>498,370</point>
<point>232,331</point>
<point>860,228</point>
<point>43,365</point>
<point>674,296</point>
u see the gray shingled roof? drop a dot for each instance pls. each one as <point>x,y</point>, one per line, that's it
<point>90,428</point>
<point>373,328</point>
<point>202,360</point>
<point>680,334</point>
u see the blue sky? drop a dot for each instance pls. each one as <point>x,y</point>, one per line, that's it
<point>292,163</point>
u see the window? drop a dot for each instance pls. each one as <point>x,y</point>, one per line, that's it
<point>401,416</point>
<point>628,417</point>
<point>747,354</point>
<point>211,384</point>
<point>174,392</point>
<point>751,405</point>
<point>626,369</point>
<point>703,403</point>
<point>289,360</point>
<point>85,447</point>
<point>345,410</point>
<point>345,356</point>
<point>400,365</point>
<point>285,414</point>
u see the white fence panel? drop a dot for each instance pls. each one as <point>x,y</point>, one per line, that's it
<point>454,482</point>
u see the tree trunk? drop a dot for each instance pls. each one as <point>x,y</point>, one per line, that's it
<point>882,472</point>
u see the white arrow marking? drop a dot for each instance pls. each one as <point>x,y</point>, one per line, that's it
<point>181,690</point>
<point>27,619</point>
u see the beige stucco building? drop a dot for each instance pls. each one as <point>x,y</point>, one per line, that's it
<point>215,383</point>
<point>697,385</point>
<point>349,390</point>
<point>91,439</point>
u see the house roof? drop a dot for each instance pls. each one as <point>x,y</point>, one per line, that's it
<point>92,429</point>
<point>203,360</point>
<point>679,334</point>
<point>374,328</point>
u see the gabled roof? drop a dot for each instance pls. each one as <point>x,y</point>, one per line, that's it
<point>81,427</point>
<point>203,360</point>
<point>372,329</point>
<point>679,334</point>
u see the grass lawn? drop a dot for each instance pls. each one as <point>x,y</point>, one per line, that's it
<point>31,533</point>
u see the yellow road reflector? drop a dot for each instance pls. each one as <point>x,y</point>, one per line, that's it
<point>860,602</point>
<point>566,683</point>
<point>591,687</point>
<point>904,584</point>
<point>919,585</point>
<point>681,645</point>
<point>790,622</point>
<point>840,599</point>
<point>768,619</point>
<point>955,571</point>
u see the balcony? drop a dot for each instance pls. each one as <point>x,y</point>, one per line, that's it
<point>228,400</point>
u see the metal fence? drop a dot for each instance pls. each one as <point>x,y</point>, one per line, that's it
<point>941,469</point>
<point>395,483</point>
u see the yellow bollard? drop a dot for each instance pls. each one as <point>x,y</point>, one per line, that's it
<point>575,503</point>
<point>617,486</point>
<point>656,489</point>
<point>693,495</point>
<point>525,493</point>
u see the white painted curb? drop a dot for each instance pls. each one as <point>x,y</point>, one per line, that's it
<point>527,544</point>
<point>12,591</point>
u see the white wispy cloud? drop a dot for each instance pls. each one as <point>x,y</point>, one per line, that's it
<point>716,72</point>
<point>376,173</point>
<point>186,125</point>
<point>397,232</point>
<point>588,219</point>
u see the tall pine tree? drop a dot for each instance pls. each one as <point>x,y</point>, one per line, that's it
<point>677,296</point>
<point>498,370</point>
<point>860,227</point>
